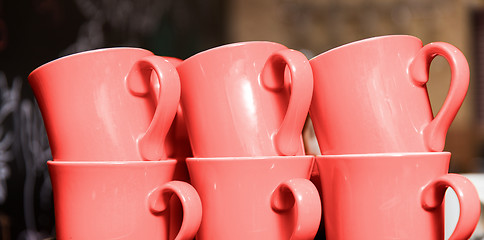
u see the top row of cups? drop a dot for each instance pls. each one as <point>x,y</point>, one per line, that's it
<point>248,99</point>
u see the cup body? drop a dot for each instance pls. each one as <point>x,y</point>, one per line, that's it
<point>114,200</point>
<point>392,196</point>
<point>228,109</point>
<point>370,96</point>
<point>90,112</point>
<point>245,198</point>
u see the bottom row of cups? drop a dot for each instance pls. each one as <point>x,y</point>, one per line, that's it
<point>364,196</point>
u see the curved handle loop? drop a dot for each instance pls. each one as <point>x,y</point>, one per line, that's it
<point>435,132</point>
<point>159,198</point>
<point>288,137</point>
<point>433,194</point>
<point>151,143</point>
<point>303,195</point>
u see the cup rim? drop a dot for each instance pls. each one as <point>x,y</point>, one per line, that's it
<point>108,163</point>
<point>370,39</point>
<point>92,51</point>
<point>248,158</point>
<point>384,155</point>
<point>232,45</point>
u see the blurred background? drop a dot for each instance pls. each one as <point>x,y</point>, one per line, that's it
<point>33,32</point>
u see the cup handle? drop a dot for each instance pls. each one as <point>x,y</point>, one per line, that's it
<point>151,143</point>
<point>288,136</point>
<point>303,195</point>
<point>432,196</point>
<point>435,132</point>
<point>159,199</point>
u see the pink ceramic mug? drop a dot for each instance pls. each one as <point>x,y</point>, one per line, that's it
<point>256,198</point>
<point>370,96</point>
<point>393,196</point>
<point>237,101</point>
<point>120,200</point>
<point>97,105</point>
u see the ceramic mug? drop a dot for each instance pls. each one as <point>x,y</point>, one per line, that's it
<point>120,200</point>
<point>246,99</point>
<point>256,197</point>
<point>370,96</point>
<point>98,105</point>
<point>393,196</point>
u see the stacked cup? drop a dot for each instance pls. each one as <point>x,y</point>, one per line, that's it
<point>382,169</point>
<point>125,126</point>
<point>245,105</point>
<point>107,114</point>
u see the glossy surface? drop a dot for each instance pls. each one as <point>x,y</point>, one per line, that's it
<point>393,196</point>
<point>256,198</point>
<point>370,96</point>
<point>237,102</point>
<point>98,105</point>
<point>177,143</point>
<point>120,200</point>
